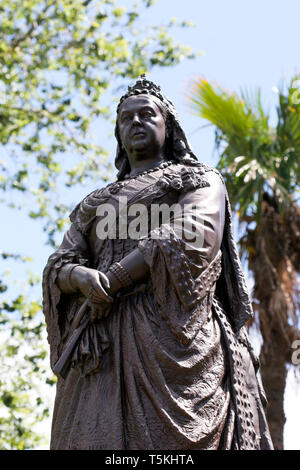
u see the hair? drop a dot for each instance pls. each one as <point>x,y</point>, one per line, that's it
<point>177,147</point>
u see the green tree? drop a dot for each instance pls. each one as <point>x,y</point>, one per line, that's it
<point>58,61</point>
<point>260,165</point>
<point>25,379</point>
<point>61,63</point>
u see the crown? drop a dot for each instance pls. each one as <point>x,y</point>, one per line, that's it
<point>143,86</point>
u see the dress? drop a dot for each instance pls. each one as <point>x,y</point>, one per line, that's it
<point>171,367</point>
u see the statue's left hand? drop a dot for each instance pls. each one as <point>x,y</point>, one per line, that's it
<point>91,283</point>
<point>100,305</point>
<point>100,301</point>
<point>95,286</point>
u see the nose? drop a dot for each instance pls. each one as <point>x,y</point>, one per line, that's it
<point>136,119</point>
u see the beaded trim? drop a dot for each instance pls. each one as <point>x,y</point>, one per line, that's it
<point>158,167</point>
<point>121,274</point>
<point>117,185</point>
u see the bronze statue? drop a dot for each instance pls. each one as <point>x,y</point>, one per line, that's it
<point>147,333</point>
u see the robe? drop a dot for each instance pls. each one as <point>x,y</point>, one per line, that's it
<point>171,367</point>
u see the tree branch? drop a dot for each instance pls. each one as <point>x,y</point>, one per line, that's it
<point>35,24</point>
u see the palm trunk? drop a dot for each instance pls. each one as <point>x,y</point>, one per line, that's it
<point>272,291</point>
<point>274,373</point>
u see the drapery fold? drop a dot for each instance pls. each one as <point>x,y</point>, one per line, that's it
<point>155,373</point>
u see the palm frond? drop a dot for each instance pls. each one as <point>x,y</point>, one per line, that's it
<point>223,109</point>
<point>255,158</point>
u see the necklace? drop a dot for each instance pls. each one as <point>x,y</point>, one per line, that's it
<point>115,187</point>
<point>145,172</point>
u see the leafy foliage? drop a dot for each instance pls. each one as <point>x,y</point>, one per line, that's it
<point>24,372</point>
<point>254,157</point>
<point>61,62</point>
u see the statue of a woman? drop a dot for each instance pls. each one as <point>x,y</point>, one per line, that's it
<point>164,361</point>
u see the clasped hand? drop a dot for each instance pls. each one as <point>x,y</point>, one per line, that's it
<point>95,286</point>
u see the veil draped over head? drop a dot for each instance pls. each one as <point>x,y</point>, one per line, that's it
<point>178,148</point>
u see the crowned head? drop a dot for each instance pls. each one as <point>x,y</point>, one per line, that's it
<point>177,147</point>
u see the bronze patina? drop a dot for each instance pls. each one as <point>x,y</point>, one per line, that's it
<point>147,334</point>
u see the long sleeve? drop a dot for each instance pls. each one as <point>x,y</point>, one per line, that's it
<point>182,271</point>
<point>204,209</point>
<point>59,308</point>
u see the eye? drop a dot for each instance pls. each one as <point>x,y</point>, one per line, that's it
<point>124,118</point>
<point>147,113</point>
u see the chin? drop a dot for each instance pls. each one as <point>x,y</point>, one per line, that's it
<point>141,147</point>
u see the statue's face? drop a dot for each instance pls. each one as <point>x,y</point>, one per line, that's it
<point>141,124</point>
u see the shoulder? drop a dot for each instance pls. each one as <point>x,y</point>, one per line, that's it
<point>199,175</point>
<point>211,191</point>
<point>215,178</point>
<point>212,173</point>
<point>85,211</point>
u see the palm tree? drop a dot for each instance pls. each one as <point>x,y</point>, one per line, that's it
<point>260,165</point>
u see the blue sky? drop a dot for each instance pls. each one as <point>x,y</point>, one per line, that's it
<point>245,45</point>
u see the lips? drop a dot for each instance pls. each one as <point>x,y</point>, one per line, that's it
<point>138,133</point>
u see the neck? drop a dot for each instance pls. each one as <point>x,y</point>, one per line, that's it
<point>139,165</point>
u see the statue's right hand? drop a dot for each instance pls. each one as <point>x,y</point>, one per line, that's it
<point>84,279</point>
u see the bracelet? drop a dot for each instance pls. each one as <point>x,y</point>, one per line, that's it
<point>121,274</point>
